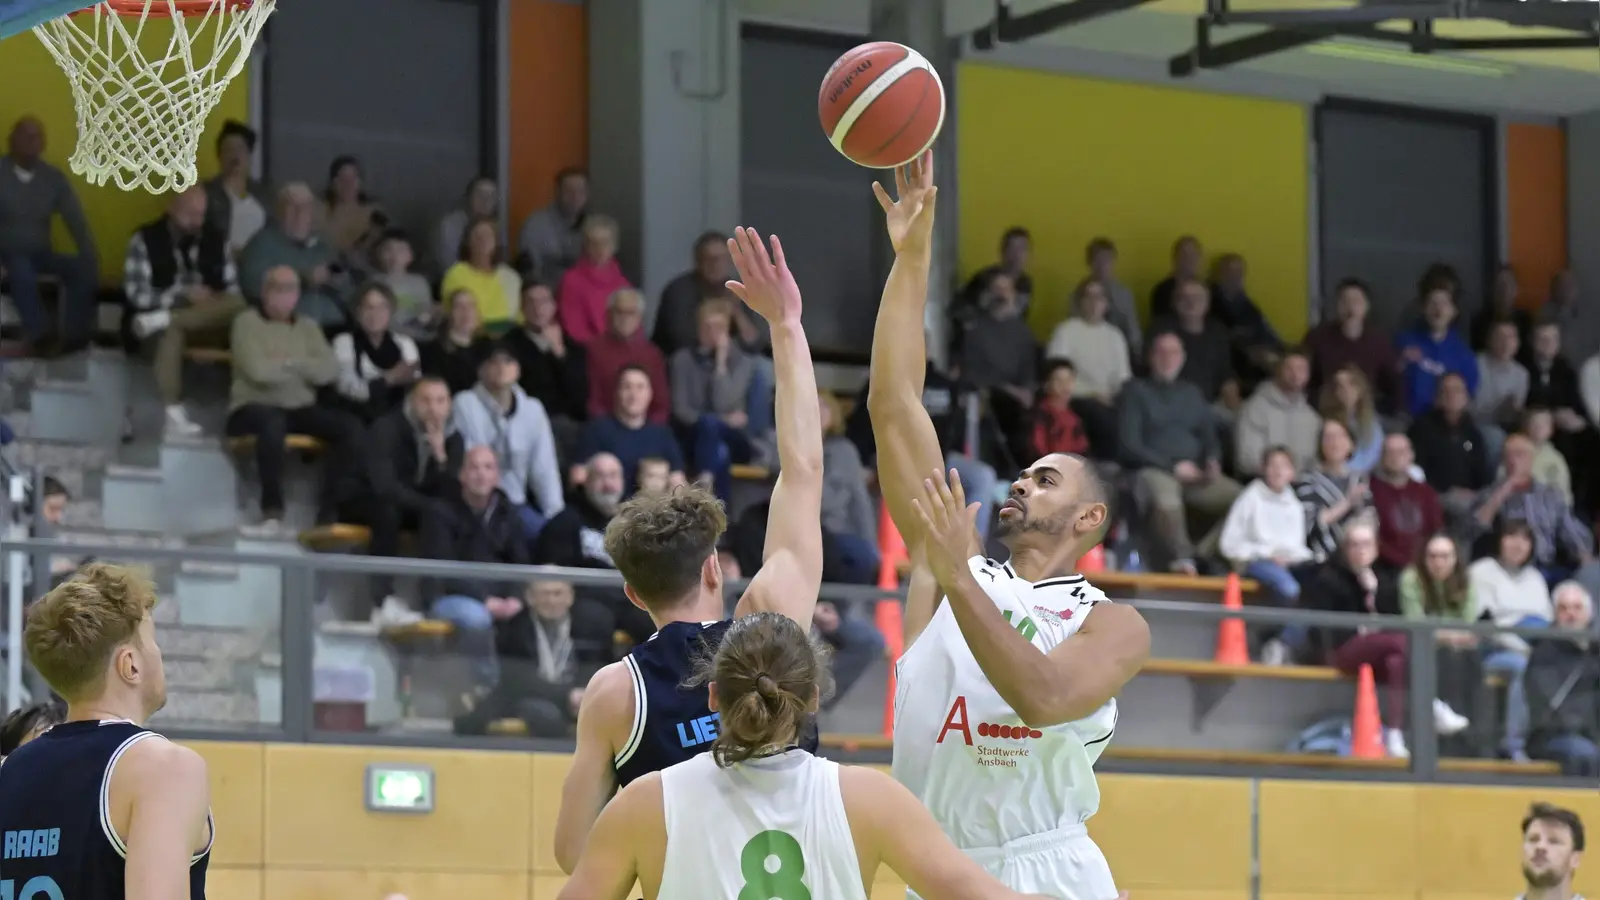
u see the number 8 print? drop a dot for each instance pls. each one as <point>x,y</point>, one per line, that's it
<point>783,882</point>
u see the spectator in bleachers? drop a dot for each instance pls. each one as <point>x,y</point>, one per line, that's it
<point>623,346</point>
<point>1207,353</point>
<point>587,287</point>
<point>1349,339</point>
<point>1016,252</point>
<point>849,517</point>
<point>181,284</point>
<point>627,433</point>
<point>1436,586</point>
<point>1562,683</point>
<point>32,194</point>
<point>461,346</point>
<point>291,241</point>
<point>377,365</point>
<point>1512,593</point>
<point>1187,258</point>
<point>575,538</point>
<point>1450,448</point>
<point>1561,542</point>
<point>1579,321</point>
<point>1347,397</point>
<point>1501,307</point>
<point>1502,386</point>
<point>413,466</point>
<point>653,475</point>
<point>1589,387</point>
<point>711,399</point>
<point>236,204</point>
<point>1332,495</point>
<point>481,271</point>
<point>350,218</point>
<point>1407,510</point>
<point>998,355</point>
<point>1549,466</point>
<point>1256,345</point>
<point>552,238</point>
<point>548,649</point>
<point>479,524</point>
<point>1101,358</point>
<point>415,313</point>
<point>481,200</point>
<point>855,644</point>
<point>1348,583</point>
<point>497,414</point>
<point>1121,310</point>
<point>1264,535</point>
<point>280,359</point>
<point>555,370</point>
<point>1055,426</point>
<point>1553,385</point>
<point>676,318</point>
<point>1278,415</point>
<point>1434,349</point>
<point>1169,432</point>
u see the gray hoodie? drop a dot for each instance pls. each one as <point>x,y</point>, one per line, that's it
<point>522,444</point>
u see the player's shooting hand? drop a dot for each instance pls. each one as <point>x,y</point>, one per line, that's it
<point>910,213</point>
<point>948,523</point>
<point>765,283</point>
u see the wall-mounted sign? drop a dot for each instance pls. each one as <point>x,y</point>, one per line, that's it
<point>399,788</point>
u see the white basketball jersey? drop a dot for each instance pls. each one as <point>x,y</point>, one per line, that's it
<point>987,778</point>
<point>759,828</point>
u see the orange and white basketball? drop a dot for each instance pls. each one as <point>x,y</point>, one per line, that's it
<point>881,104</point>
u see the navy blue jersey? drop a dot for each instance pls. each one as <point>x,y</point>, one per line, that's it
<point>55,816</point>
<point>672,723</point>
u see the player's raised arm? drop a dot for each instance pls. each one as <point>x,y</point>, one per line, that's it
<point>592,778</point>
<point>610,863</point>
<point>168,817</point>
<point>908,445</point>
<point>1068,683</point>
<point>791,560</point>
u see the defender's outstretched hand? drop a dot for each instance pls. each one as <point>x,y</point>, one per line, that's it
<point>910,214</point>
<point>766,285</point>
<point>948,523</point>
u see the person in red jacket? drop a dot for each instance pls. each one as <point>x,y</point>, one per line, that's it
<point>587,286</point>
<point>621,346</point>
<point>1407,508</point>
<point>1056,428</point>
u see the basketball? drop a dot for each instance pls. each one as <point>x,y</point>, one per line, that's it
<point>881,105</point>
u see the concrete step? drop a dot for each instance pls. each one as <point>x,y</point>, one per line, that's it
<point>198,708</point>
<point>210,675</point>
<point>199,642</point>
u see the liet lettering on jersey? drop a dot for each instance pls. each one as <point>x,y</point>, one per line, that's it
<point>699,731</point>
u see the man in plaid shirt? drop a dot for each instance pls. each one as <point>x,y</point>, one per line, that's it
<point>181,284</point>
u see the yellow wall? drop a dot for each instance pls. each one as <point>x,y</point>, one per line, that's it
<point>292,825</point>
<point>1072,158</point>
<point>35,85</point>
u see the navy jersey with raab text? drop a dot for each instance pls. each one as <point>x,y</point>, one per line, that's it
<point>673,723</point>
<point>55,817</point>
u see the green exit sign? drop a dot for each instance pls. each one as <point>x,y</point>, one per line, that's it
<point>398,788</point>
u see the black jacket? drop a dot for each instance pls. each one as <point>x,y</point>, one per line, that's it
<point>1333,587</point>
<point>1562,684</point>
<point>573,538</point>
<point>1451,456</point>
<point>210,255</point>
<point>942,396</point>
<point>560,383</point>
<point>593,631</point>
<point>458,366</point>
<point>1554,389</point>
<point>397,473</point>
<point>454,531</point>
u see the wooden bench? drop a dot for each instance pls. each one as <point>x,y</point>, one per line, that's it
<point>300,443</point>
<point>210,356</point>
<point>417,631</point>
<point>751,473</point>
<point>1204,668</point>
<point>337,537</point>
<point>508,728</point>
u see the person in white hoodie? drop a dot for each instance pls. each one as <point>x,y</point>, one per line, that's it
<point>1510,590</point>
<point>1099,353</point>
<point>496,413</point>
<point>1264,535</point>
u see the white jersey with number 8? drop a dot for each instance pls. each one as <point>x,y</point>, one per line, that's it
<point>992,782</point>
<point>772,828</point>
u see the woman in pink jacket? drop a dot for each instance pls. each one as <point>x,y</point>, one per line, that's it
<point>587,284</point>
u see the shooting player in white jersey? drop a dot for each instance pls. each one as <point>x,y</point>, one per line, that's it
<point>760,817</point>
<point>1006,690</point>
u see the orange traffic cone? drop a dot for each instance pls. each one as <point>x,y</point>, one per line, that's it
<point>1232,648</point>
<point>1366,728</point>
<point>1093,561</point>
<point>889,615</point>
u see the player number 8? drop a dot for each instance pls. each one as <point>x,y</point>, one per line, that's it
<point>33,889</point>
<point>763,880</point>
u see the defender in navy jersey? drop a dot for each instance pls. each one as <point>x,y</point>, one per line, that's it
<point>637,715</point>
<point>98,807</point>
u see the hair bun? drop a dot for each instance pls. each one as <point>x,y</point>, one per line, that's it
<point>766,687</point>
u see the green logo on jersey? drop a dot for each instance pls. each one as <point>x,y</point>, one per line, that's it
<point>1025,626</point>
<point>773,866</point>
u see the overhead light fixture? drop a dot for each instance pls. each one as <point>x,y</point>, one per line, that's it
<point>1369,53</point>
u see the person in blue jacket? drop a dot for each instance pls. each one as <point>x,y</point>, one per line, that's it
<point>1432,349</point>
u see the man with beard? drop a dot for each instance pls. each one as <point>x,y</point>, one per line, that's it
<point>576,536</point>
<point>1552,848</point>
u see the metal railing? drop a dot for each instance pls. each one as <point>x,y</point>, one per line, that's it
<point>303,576</point>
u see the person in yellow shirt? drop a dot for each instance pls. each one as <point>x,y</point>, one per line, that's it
<point>482,272</point>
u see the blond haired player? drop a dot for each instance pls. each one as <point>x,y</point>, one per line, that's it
<point>1006,689</point>
<point>98,807</point>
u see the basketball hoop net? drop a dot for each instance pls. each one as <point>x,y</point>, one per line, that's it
<point>143,99</point>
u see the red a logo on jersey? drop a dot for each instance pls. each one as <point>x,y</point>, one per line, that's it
<point>956,721</point>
